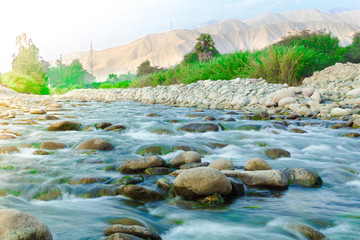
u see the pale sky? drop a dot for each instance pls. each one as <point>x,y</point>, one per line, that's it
<point>63,26</point>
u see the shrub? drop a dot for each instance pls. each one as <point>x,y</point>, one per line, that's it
<point>352,52</point>
<point>24,83</point>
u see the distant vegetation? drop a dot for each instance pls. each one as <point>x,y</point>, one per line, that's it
<point>289,61</point>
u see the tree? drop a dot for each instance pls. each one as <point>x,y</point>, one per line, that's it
<point>189,58</point>
<point>353,51</point>
<point>145,68</point>
<point>205,47</point>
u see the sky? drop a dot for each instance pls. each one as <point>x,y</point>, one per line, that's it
<point>59,27</point>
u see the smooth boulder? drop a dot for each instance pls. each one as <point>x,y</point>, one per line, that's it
<point>52,145</point>
<point>64,126</point>
<point>18,225</point>
<point>122,236</point>
<point>185,158</point>
<point>200,127</point>
<point>276,153</point>
<point>256,164</point>
<point>95,144</point>
<point>140,193</point>
<point>138,165</point>
<point>222,164</point>
<point>268,179</point>
<point>303,177</point>
<point>138,231</point>
<point>200,182</point>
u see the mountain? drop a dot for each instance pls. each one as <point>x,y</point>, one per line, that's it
<point>167,49</point>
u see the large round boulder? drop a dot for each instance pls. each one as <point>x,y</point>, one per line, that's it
<point>186,157</point>
<point>18,225</point>
<point>200,182</point>
<point>64,126</point>
<point>222,164</point>
<point>303,177</point>
<point>283,94</point>
<point>95,144</point>
<point>256,164</point>
<point>139,165</point>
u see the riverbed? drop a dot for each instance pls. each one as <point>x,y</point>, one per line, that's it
<point>76,213</point>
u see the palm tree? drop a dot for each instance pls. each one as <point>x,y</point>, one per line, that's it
<point>205,47</point>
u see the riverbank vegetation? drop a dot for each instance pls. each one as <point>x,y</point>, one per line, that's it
<point>290,60</point>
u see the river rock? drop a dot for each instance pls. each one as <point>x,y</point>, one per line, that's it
<point>194,165</point>
<point>351,135</point>
<point>308,91</point>
<point>353,93</point>
<point>152,150</point>
<point>297,130</point>
<point>18,225</point>
<point>138,165</point>
<point>64,126</point>
<point>200,182</point>
<point>122,236</point>
<point>103,125</point>
<point>276,153</point>
<point>261,115</point>
<point>283,94</point>
<point>138,231</point>
<point>338,112</point>
<point>95,144</point>
<point>308,232</point>
<point>158,171</point>
<point>41,152</point>
<point>52,145</point>
<point>186,157</point>
<point>303,177</point>
<point>7,136</point>
<point>286,101</point>
<point>269,179</point>
<point>200,127</point>
<point>37,111</point>
<point>356,123</point>
<point>165,184</point>
<point>140,193</point>
<point>222,164</point>
<point>115,128</point>
<point>8,149</point>
<point>256,164</point>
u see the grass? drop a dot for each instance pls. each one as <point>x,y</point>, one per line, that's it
<point>24,83</point>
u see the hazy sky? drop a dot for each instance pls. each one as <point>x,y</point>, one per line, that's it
<point>63,26</point>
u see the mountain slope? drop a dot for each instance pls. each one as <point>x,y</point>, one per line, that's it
<point>167,49</point>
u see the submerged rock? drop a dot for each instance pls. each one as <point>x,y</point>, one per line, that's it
<point>186,157</point>
<point>352,135</point>
<point>194,165</point>
<point>64,126</point>
<point>303,177</point>
<point>158,171</point>
<point>52,145</point>
<point>138,231</point>
<point>115,128</point>
<point>200,182</point>
<point>140,193</point>
<point>95,144</point>
<point>276,153</point>
<point>103,125</point>
<point>308,232</point>
<point>8,149</point>
<point>18,225</point>
<point>200,127</point>
<point>268,179</point>
<point>122,236</point>
<point>139,165</point>
<point>152,150</point>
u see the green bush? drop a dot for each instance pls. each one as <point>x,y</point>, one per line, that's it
<point>352,52</point>
<point>279,64</point>
<point>24,83</point>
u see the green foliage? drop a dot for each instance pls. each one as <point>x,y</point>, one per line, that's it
<point>352,52</point>
<point>328,51</point>
<point>69,76</point>
<point>189,58</point>
<point>24,83</point>
<point>279,64</point>
<point>113,78</point>
<point>145,68</point>
<point>205,48</point>
<point>120,84</point>
<point>28,70</point>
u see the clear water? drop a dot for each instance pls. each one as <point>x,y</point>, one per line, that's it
<point>334,209</point>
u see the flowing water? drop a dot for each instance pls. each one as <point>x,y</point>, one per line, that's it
<point>334,208</point>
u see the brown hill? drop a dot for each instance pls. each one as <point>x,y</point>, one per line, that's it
<point>167,49</point>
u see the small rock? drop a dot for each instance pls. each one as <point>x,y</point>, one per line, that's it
<point>140,193</point>
<point>356,123</point>
<point>338,112</point>
<point>200,127</point>
<point>282,94</point>
<point>308,232</point>
<point>308,91</point>
<point>115,128</point>
<point>164,184</point>
<point>95,144</point>
<point>158,171</point>
<point>214,199</point>
<point>209,118</point>
<point>138,231</point>
<point>103,125</point>
<point>256,164</point>
<point>276,153</point>
<point>41,152</point>
<point>297,130</point>
<point>186,157</point>
<point>8,149</point>
<point>122,236</point>
<point>194,165</point>
<point>139,165</point>
<point>7,137</point>
<point>222,164</point>
<point>261,115</point>
<point>269,179</point>
<point>286,101</point>
<point>16,224</point>
<point>352,135</point>
<point>203,181</point>
<point>52,145</point>
<point>152,150</point>
<point>37,111</point>
<point>64,126</point>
